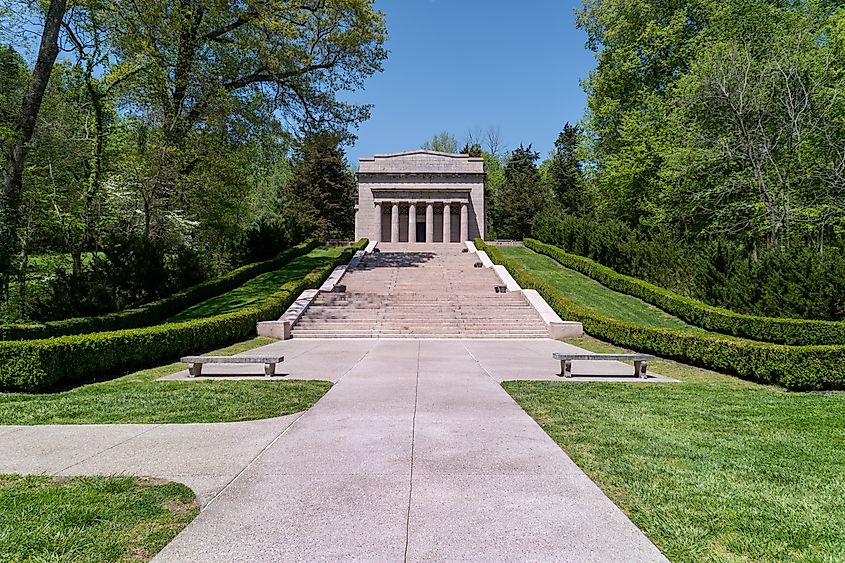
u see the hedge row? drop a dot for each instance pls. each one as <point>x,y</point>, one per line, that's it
<point>156,311</point>
<point>794,367</point>
<point>797,332</point>
<point>34,365</point>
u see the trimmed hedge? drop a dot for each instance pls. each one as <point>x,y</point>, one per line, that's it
<point>796,332</point>
<point>35,365</point>
<point>155,311</point>
<point>794,367</point>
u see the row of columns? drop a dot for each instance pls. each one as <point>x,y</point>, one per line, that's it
<point>429,221</point>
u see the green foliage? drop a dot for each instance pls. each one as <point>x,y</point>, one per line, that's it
<point>564,175</point>
<point>156,311</point>
<point>794,367</point>
<point>791,282</point>
<point>93,519</point>
<point>322,189</point>
<point>765,329</point>
<point>33,365</point>
<point>443,142</point>
<point>522,195</point>
<point>718,118</point>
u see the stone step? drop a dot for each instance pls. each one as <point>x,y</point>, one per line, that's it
<point>436,295</point>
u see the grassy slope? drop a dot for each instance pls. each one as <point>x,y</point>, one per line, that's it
<point>259,288</point>
<point>139,398</point>
<point>712,469</point>
<point>592,294</point>
<point>90,519</point>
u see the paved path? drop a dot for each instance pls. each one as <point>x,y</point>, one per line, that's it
<point>415,454</point>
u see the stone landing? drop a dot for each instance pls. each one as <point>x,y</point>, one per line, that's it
<point>420,291</point>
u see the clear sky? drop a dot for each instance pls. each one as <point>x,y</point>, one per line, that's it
<point>457,65</point>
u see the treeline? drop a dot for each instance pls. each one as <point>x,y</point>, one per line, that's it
<point>171,142</point>
<point>712,157</point>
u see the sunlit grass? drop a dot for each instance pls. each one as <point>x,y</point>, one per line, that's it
<point>139,398</point>
<point>711,469</point>
<point>91,519</point>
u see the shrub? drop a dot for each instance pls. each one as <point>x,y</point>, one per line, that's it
<point>34,365</point>
<point>795,280</point>
<point>796,332</point>
<point>794,367</point>
<point>155,311</point>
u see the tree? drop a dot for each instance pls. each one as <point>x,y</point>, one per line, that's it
<point>15,157</point>
<point>521,196</point>
<point>472,150</point>
<point>563,170</point>
<point>444,142</point>
<point>321,190</point>
<point>759,133</point>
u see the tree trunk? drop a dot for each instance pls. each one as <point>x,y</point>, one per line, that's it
<point>23,269</point>
<point>16,159</point>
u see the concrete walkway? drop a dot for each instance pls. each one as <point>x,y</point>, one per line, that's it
<point>415,454</point>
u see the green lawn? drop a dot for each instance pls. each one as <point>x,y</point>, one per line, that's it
<point>139,398</point>
<point>259,288</point>
<point>591,294</point>
<point>89,519</point>
<point>711,469</point>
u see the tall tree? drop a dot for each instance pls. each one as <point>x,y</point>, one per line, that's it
<point>321,190</point>
<point>522,195</point>
<point>15,157</point>
<point>563,170</point>
<point>442,142</point>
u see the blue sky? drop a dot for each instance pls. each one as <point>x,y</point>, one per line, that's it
<point>457,65</point>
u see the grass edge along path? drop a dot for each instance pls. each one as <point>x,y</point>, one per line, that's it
<point>137,398</point>
<point>711,469</point>
<point>92,519</point>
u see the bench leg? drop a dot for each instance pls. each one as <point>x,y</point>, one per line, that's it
<point>269,370</point>
<point>565,368</point>
<point>640,368</point>
<point>194,370</point>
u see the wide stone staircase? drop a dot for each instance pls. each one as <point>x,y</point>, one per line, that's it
<point>420,291</point>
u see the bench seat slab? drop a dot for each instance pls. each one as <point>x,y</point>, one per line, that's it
<point>195,362</point>
<point>640,361</point>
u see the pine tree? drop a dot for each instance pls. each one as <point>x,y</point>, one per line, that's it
<point>564,171</point>
<point>522,196</point>
<point>321,190</point>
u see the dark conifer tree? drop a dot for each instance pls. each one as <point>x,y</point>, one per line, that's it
<point>522,196</point>
<point>322,188</point>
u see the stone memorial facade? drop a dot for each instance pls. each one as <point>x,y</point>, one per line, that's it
<point>420,196</point>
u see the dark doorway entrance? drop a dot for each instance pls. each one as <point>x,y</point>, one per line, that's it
<point>420,231</point>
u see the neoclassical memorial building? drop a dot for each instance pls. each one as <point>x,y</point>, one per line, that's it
<point>420,196</point>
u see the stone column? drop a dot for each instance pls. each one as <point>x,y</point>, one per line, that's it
<point>412,223</point>
<point>447,223</point>
<point>429,222</point>
<point>464,222</point>
<point>378,222</point>
<point>394,223</point>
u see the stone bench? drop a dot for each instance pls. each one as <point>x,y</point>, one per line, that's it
<point>640,361</point>
<point>195,362</point>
